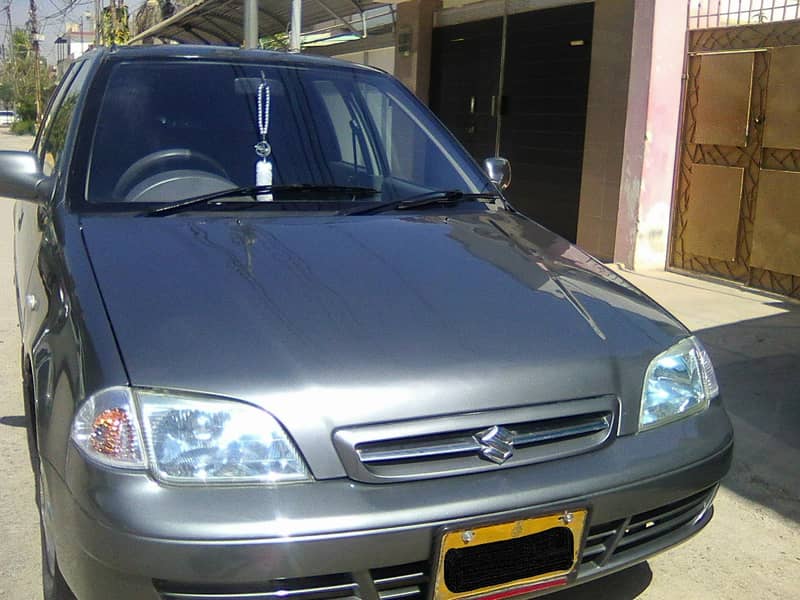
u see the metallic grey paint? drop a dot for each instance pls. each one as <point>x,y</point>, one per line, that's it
<point>21,176</point>
<point>333,324</point>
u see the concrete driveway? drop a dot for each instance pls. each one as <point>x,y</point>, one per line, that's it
<point>19,524</point>
<point>751,549</point>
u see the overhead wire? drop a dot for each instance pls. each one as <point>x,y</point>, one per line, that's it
<point>61,12</point>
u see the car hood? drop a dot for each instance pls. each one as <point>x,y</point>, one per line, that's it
<point>339,321</point>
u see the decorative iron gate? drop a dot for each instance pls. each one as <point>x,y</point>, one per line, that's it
<point>737,208</point>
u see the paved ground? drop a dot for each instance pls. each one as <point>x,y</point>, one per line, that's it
<point>750,550</point>
<point>19,525</point>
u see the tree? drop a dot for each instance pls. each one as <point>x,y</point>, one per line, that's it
<point>114,26</point>
<point>18,81</point>
<point>276,41</point>
<point>152,12</point>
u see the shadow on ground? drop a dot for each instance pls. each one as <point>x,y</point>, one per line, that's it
<point>758,366</point>
<point>625,585</point>
<point>14,421</point>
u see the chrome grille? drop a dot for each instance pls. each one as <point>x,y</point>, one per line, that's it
<point>474,442</point>
<point>523,435</point>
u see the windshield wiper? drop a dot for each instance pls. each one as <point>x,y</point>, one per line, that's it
<point>256,190</point>
<point>447,197</point>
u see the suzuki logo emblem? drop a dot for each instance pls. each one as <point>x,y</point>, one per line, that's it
<point>496,444</point>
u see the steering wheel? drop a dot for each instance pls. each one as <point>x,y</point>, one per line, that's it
<point>161,159</point>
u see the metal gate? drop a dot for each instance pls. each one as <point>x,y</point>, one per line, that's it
<point>737,207</point>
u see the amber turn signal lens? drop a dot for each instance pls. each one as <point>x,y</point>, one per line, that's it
<point>112,433</point>
<point>106,429</point>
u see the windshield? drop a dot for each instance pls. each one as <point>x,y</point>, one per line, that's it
<point>175,129</point>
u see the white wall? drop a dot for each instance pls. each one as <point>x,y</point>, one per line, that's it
<point>382,58</point>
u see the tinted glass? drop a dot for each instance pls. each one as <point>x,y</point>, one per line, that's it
<point>57,124</point>
<point>171,121</point>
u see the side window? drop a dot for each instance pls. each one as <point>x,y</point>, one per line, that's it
<point>55,100</point>
<point>55,133</point>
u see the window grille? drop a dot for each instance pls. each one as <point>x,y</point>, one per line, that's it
<point>705,14</point>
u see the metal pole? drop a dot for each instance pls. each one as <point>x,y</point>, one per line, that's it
<point>98,22</point>
<point>36,67</point>
<point>251,23</point>
<point>501,80</point>
<point>296,26</point>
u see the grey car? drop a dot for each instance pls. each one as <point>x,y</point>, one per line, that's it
<point>283,338</point>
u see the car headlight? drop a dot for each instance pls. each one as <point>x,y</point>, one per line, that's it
<point>678,383</point>
<point>187,439</point>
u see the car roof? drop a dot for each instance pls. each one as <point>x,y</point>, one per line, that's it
<point>226,53</point>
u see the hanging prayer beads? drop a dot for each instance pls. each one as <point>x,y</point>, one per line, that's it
<point>262,148</point>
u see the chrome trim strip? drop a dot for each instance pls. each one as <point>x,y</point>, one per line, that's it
<point>333,590</point>
<point>536,437</point>
<point>384,582</point>
<point>465,445</point>
<point>460,446</point>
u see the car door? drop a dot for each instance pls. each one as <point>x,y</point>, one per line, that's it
<point>45,309</point>
<point>27,226</point>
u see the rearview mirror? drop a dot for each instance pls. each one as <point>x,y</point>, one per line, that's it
<point>21,177</point>
<point>499,171</point>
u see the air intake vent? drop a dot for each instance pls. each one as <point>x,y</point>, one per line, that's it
<point>608,541</point>
<point>600,541</point>
<point>656,523</point>
<point>329,587</point>
<point>405,582</point>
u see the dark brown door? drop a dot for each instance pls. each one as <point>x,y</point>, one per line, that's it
<point>543,108</point>
<point>465,72</point>
<point>544,113</point>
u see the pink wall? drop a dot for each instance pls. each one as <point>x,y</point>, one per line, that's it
<point>661,137</point>
<point>651,135</point>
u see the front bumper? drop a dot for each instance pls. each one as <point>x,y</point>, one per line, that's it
<point>125,533</point>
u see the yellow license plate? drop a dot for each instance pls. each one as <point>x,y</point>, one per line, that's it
<point>508,559</point>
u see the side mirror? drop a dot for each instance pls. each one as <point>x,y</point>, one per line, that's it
<point>21,177</point>
<point>499,171</point>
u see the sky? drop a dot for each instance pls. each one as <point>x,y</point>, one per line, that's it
<point>52,19</point>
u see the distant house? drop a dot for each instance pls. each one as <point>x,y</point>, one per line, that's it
<point>73,43</point>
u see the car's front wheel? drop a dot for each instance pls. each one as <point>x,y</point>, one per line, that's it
<point>53,585</point>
